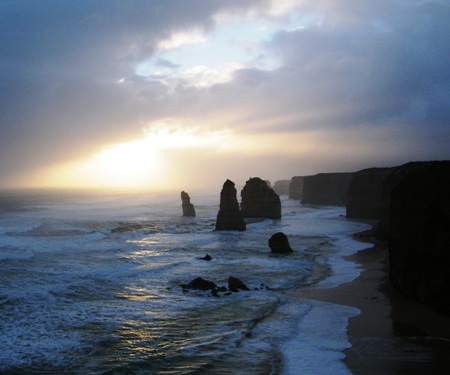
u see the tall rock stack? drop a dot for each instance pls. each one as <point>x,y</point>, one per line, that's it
<point>229,216</point>
<point>259,200</point>
<point>187,206</point>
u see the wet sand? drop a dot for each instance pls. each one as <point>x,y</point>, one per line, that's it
<point>391,335</point>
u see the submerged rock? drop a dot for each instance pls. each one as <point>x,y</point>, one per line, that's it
<point>187,206</point>
<point>229,216</point>
<point>200,284</point>
<point>279,243</point>
<point>235,284</point>
<point>259,200</point>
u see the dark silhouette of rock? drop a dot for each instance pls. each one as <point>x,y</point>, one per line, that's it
<point>279,243</point>
<point>259,200</point>
<point>200,284</point>
<point>187,206</point>
<point>327,189</point>
<point>229,216</point>
<point>366,194</point>
<point>235,284</point>
<point>296,187</point>
<point>370,190</point>
<point>419,239</point>
<point>281,187</point>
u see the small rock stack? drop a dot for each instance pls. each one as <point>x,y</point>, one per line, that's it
<point>187,206</point>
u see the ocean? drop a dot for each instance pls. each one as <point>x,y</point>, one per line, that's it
<point>90,283</point>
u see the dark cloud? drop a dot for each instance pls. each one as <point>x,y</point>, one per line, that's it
<point>61,61</point>
<point>67,80</point>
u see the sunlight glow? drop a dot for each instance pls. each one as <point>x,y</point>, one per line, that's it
<point>141,163</point>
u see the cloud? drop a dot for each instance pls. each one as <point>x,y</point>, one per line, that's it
<point>376,72</point>
<point>61,62</point>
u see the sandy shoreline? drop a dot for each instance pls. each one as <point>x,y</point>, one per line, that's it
<point>391,335</point>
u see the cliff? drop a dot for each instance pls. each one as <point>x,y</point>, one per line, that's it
<point>419,239</point>
<point>366,196</point>
<point>281,187</point>
<point>259,200</point>
<point>370,190</point>
<point>326,189</point>
<point>229,216</point>
<point>296,187</point>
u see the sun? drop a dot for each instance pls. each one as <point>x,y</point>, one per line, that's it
<point>141,163</point>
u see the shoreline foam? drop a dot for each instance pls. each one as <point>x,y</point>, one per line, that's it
<point>390,335</point>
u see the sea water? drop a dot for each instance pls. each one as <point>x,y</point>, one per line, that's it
<point>90,283</point>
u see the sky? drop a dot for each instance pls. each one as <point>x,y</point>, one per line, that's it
<point>184,94</point>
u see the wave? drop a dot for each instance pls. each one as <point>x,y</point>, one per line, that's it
<point>93,285</point>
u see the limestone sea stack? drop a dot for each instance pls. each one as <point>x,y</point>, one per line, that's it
<point>187,206</point>
<point>229,216</point>
<point>279,243</point>
<point>259,200</point>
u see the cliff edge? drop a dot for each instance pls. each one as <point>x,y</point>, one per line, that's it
<point>419,239</point>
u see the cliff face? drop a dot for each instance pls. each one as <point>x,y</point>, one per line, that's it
<point>259,200</point>
<point>370,190</point>
<point>229,216</point>
<point>366,194</point>
<point>281,187</point>
<point>326,189</point>
<point>419,240</point>
<point>296,187</point>
<point>186,205</point>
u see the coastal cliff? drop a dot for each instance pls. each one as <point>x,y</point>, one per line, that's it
<point>281,187</point>
<point>296,187</point>
<point>419,239</point>
<point>370,190</point>
<point>367,194</point>
<point>326,189</point>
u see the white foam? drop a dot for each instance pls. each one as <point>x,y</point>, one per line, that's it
<point>16,254</point>
<point>318,346</point>
<point>82,274</point>
<point>343,271</point>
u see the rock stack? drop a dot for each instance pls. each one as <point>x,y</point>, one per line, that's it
<point>259,200</point>
<point>187,206</point>
<point>229,216</point>
<point>279,243</point>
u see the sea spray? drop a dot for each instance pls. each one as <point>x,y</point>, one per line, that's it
<point>78,295</point>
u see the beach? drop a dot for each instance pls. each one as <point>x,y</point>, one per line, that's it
<point>390,335</point>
